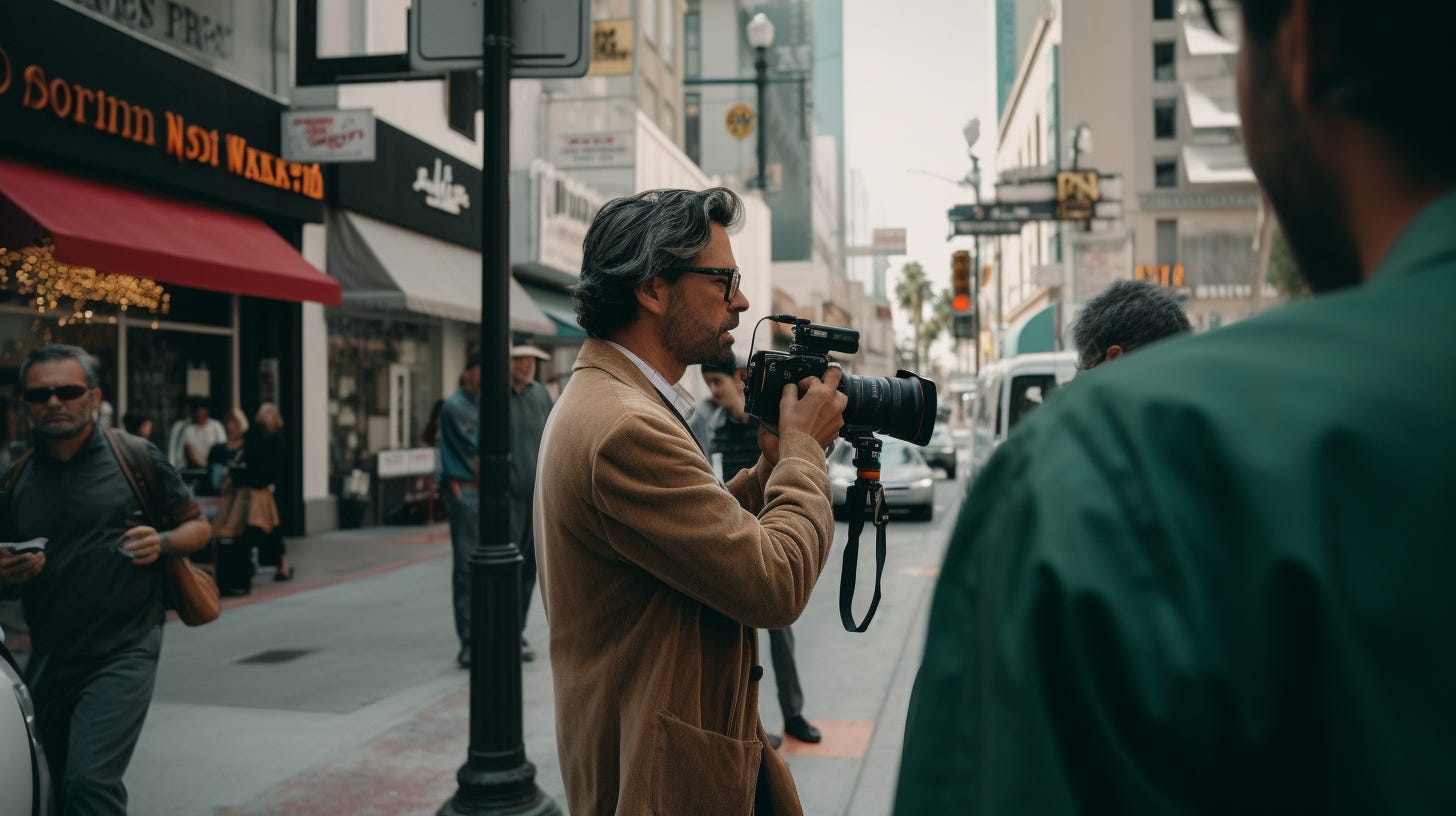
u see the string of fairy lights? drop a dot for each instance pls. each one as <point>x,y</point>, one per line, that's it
<point>71,293</point>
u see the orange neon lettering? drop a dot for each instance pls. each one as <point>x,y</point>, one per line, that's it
<point>236,149</point>
<point>175,131</point>
<point>212,136</point>
<point>5,68</point>
<point>59,87</point>
<point>35,82</point>
<point>145,131</point>
<point>280,173</point>
<point>196,143</point>
<point>81,95</point>
<point>251,174</point>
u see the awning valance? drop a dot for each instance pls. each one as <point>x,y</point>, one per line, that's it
<point>557,306</point>
<point>127,232</point>
<point>383,266</point>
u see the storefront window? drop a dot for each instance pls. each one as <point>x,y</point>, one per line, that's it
<point>383,382</point>
<point>167,370</point>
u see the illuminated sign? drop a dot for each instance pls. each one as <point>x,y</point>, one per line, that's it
<point>95,108</point>
<point>1160,274</point>
<point>440,189</point>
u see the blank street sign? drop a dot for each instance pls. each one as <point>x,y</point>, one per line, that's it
<point>551,38</point>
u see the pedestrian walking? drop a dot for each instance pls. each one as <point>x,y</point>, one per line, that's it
<point>1216,578</point>
<point>654,576</point>
<point>732,443</point>
<point>1127,315</point>
<point>93,595</point>
<point>530,404</point>
<point>460,479</point>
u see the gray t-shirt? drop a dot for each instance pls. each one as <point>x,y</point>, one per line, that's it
<point>89,600</point>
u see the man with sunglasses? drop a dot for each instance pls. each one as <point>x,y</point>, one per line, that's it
<point>1216,577</point>
<point>655,575</point>
<point>93,595</point>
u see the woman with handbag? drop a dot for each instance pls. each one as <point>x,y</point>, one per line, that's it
<point>249,511</point>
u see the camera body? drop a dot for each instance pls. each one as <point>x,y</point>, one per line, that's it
<point>808,356</point>
<point>902,406</point>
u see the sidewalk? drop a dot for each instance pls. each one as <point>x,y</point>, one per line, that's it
<point>337,693</point>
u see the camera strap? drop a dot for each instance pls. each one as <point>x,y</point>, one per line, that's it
<point>864,491</point>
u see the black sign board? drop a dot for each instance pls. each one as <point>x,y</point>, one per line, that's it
<point>414,185</point>
<point>97,100</point>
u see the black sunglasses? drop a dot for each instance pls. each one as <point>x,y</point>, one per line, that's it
<point>66,393</point>
<point>729,272</point>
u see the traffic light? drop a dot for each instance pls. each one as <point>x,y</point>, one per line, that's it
<point>960,278</point>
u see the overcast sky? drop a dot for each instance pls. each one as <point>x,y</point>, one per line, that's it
<point>914,72</point>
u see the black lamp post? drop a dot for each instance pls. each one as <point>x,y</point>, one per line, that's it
<point>761,37</point>
<point>496,778</point>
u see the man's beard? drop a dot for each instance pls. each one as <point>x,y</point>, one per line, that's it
<point>1309,202</point>
<point>692,341</point>
<point>60,433</point>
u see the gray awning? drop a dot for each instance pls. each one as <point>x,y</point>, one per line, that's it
<point>382,266</point>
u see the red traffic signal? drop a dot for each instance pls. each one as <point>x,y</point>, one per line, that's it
<point>960,279</point>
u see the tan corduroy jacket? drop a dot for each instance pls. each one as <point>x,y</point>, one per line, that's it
<point>654,579</point>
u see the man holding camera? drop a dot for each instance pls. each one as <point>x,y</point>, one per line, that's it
<point>654,575</point>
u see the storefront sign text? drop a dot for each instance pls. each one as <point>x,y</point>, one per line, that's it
<point>97,109</point>
<point>205,26</point>
<point>329,135</point>
<point>440,189</point>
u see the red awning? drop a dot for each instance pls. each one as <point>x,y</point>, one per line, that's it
<point>127,232</point>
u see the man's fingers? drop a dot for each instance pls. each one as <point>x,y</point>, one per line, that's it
<point>833,377</point>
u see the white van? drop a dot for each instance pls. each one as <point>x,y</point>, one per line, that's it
<point>1007,391</point>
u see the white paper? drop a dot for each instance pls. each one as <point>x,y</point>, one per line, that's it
<point>33,544</point>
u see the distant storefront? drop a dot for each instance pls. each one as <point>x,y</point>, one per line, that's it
<point>145,214</point>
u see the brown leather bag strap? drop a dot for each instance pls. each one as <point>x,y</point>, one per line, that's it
<point>138,470</point>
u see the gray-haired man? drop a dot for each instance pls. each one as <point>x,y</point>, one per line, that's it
<point>93,595</point>
<point>654,576</point>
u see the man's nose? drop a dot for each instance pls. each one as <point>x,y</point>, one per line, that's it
<point>740,302</point>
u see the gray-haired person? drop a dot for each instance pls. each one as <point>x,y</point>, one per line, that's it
<point>92,592</point>
<point>655,575</point>
<point>1127,315</point>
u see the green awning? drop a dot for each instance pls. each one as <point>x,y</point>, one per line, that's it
<point>556,304</point>
<point>1038,333</point>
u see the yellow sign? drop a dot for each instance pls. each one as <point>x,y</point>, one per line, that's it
<point>612,43</point>
<point>1160,274</point>
<point>1076,194</point>
<point>740,121</point>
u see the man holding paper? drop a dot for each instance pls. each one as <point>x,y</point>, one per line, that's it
<point>93,592</point>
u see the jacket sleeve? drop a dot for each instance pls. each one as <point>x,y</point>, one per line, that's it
<point>1063,670</point>
<point>664,510</point>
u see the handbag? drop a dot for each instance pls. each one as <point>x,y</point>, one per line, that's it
<point>192,590</point>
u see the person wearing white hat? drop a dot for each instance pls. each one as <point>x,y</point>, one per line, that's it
<point>530,404</point>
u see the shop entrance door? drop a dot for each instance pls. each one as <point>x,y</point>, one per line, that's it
<point>168,369</point>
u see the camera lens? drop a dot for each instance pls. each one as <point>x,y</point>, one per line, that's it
<point>902,406</point>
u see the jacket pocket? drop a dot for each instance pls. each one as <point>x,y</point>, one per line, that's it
<point>698,772</point>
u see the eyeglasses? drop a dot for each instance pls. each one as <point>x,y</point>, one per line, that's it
<point>66,393</point>
<point>729,272</point>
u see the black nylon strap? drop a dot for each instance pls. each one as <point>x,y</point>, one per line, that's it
<point>854,500</point>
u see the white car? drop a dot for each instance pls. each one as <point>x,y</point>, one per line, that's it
<point>25,782</point>
<point>909,482</point>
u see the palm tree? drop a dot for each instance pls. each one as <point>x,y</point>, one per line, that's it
<point>913,291</point>
<point>936,324</point>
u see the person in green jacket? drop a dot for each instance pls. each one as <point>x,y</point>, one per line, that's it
<point>1217,576</point>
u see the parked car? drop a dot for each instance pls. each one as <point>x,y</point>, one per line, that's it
<point>940,451</point>
<point>1011,389</point>
<point>25,783</point>
<point>909,482</point>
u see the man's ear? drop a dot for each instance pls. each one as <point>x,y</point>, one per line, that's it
<point>1113,352</point>
<point>652,296</point>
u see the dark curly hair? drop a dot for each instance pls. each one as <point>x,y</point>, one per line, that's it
<point>633,239</point>
<point>1128,314</point>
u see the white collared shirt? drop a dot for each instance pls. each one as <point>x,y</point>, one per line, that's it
<point>676,396</point>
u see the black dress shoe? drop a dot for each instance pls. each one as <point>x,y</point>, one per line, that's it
<point>801,729</point>
<point>775,740</point>
<point>464,657</point>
